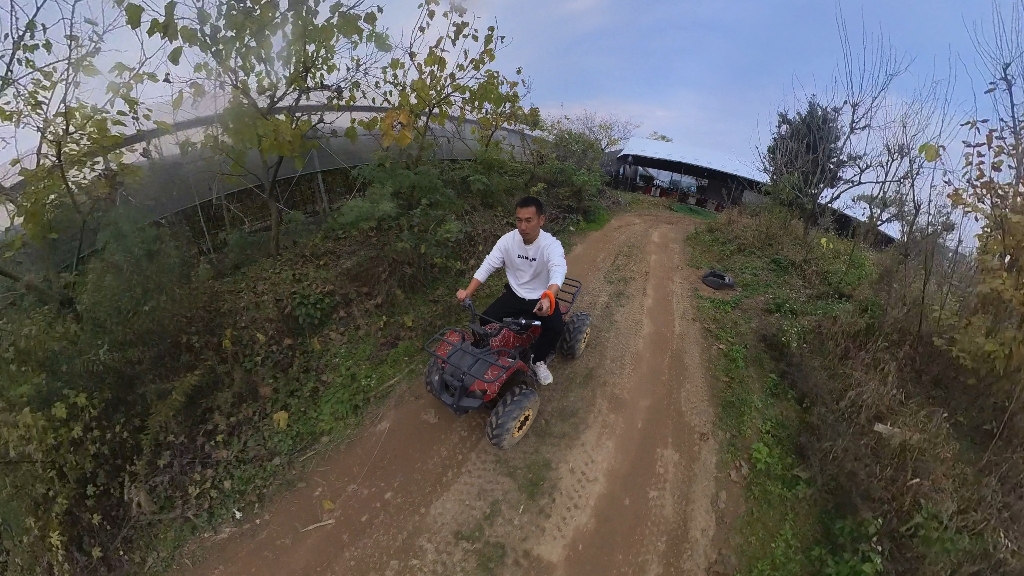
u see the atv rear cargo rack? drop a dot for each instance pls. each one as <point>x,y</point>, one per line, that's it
<point>462,366</point>
<point>568,292</point>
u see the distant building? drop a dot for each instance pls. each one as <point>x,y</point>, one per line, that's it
<point>664,168</point>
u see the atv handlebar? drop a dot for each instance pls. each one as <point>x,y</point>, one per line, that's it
<point>515,323</point>
<point>468,305</point>
<point>521,323</point>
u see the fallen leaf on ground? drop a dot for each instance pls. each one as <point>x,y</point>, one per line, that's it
<point>281,420</point>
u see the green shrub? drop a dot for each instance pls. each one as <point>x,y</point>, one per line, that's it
<point>312,308</point>
<point>366,212</point>
<point>243,248</point>
<point>131,294</point>
<point>854,549</point>
<point>75,403</point>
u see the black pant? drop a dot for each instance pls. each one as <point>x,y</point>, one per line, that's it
<point>510,305</point>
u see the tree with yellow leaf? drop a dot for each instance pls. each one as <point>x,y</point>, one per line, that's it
<point>441,75</point>
<point>264,63</point>
<point>988,333</point>
<point>498,104</point>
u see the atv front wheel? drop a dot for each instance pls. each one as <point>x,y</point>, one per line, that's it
<point>432,375</point>
<point>577,332</point>
<point>512,417</point>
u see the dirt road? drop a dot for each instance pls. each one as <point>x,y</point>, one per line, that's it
<point>616,478</point>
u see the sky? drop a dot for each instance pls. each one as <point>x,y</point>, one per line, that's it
<point>713,74</point>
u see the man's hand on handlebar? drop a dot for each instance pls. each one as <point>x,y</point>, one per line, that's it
<point>468,291</point>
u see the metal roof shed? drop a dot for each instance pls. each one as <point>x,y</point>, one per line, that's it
<point>714,181</point>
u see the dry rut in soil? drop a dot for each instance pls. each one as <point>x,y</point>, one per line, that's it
<point>616,478</point>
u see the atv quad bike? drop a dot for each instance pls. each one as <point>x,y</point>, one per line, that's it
<point>487,366</point>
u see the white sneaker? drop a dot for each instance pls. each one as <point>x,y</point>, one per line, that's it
<point>543,374</point>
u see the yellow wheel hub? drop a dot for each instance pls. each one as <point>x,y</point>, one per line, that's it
<point>523,423</point>
<point>586,336</point>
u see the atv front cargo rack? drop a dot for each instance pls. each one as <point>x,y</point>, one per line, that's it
<point>461,366</point>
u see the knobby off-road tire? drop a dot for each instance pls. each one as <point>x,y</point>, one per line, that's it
<point>432,372</point>
<point>577,332</point>
<point>512,417</point>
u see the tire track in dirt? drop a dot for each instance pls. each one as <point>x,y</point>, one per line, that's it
<point>661,483</point>
<point>583,465</point>
<point>623,535</point>
<point>696,398</point>
<point>621,463</point>
<point>607,273</point>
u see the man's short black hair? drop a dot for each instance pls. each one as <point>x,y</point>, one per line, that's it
<point>531,201</point>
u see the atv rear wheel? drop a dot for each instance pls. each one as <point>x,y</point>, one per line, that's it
<point>577,332</point>
<point>512,417</point>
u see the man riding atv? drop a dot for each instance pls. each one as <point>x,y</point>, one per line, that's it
<point>534,263</point>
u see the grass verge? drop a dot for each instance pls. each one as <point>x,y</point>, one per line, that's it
<point>786,527</point>
<point>699,213</point>
<point>834,420</point>
<point>759,419</point>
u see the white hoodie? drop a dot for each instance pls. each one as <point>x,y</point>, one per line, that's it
<point>530,269</point>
